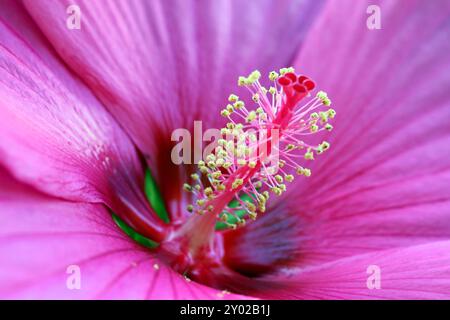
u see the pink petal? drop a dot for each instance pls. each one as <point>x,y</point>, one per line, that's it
<point>40,237</point>
<point>418,272</point>
<point>55,134</point>
<point>384,183</point>
<point>385,180</point>
<point>160,65</point>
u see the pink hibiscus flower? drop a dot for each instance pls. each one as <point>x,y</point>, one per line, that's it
<point>84,112</point>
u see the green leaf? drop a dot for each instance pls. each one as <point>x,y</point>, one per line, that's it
<point>240,213</point>
<point>146,242</point>
<point>154,197</point>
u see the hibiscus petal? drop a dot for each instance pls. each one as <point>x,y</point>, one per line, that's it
<point>51,235</point>
<point>160,65</point>
<point>418,272</point>
<point>384,183</point>
<point>56,135</point>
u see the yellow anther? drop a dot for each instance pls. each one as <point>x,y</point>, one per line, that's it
<point>251,207</point>
<point>261,198</point>
<point>314,116</point>
<point>195,176</point>
<point>241,162</point>
<point>252,164</point>
<point>277,191</point>
<point>233,98</point>
<point>273,75</point>
<point>222,154</point>
<point>290,147</point>
<point>220,162</point>
<point>215,183</point>
<point>221,187</point>
<point>230,108</point>
<point>321,95</point>
<point>187,187</point>
<point>254,76</point>
<point>323,147</point>
<point>242,81</point>
<point>190,208</point>
<point>232,226</point>
<point>210,208</point>
<point>216,174</point>
<point>197,187</point>
<point>253,215</point>
<point>272,90</point>
<point>238,105</point>
<point>251,116</point>
<point>323,116</point>
<point>227,164</point>
<point>303,171</point>
<point>255,97</point>
<point>225,113</point>
<point>257,184</point>
<point>328,127</point>
<point>283,71</point>
<point>212,164</point>
<point>331,113</point>
<point>314,128</point>
<point>279,178</point>
<point>201,202</point>
<point>208,191</point>
<point>289,177</point>
<point>309,155</point>
<point>237,183</point>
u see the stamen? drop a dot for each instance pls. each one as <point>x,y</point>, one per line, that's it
<point>261,146</point>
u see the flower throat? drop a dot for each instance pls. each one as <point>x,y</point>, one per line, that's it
<point>258,155</point>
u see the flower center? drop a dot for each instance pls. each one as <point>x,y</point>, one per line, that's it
<point>258,153</point>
